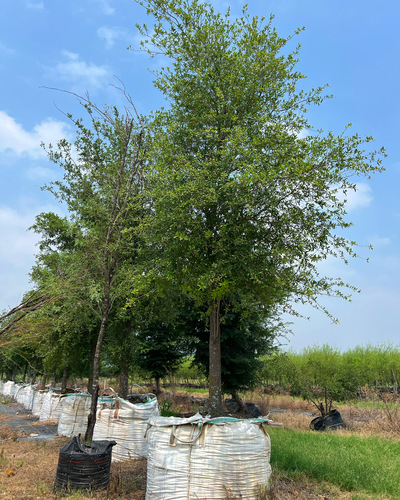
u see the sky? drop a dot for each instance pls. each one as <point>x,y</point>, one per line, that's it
<point>81,46</point>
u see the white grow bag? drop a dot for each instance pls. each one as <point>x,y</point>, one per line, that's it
<point>37,402</point>
<point>9,388</point>
<point>74,415</point>
<point>29,395</point>
<point>51,407</point>
<point>207,458</point>
<point>19,393</point>
<point>126,423</point>
<point>1,386</point>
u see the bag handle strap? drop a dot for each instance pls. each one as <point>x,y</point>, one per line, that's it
<point>173,438</point>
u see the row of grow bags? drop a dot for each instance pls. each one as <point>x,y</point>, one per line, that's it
<point>187,458</point>
<point>44,404</point>
<point>117,418</point>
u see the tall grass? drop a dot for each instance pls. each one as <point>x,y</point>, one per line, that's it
<point>352,463</point>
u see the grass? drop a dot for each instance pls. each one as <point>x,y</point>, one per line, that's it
<point>352,463</point>
<point>361,463</point>
<point>189,390</point>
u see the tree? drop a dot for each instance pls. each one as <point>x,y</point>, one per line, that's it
<point>160,349</point>
<point>242,200</point>
<point>103,179</point>
<point>320,375</point>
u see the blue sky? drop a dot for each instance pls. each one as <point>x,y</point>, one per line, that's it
<point>81,45</point>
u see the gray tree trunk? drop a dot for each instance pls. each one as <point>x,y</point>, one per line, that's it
<point>215,391</point>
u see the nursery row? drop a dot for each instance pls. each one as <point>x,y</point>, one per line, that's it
<point>194,457</point>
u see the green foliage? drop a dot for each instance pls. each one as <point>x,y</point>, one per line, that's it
<point>323,374</point>
<point>160,348</point>
<point>322,377</point>
<point>166,409</point>
<point>242,199</point>
<point>189,373</point>
<point>376,366</point>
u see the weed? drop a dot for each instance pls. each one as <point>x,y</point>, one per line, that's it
<point>127,477</point>
<point>6,400</point>
<point>4,461</point>
<point>42,489</point>
<point>166,409</point>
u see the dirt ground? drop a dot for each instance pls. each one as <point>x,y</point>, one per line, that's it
<point>28,471</point>
<point>29,453</point>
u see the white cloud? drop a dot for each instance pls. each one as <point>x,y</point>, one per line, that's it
<point>14,138</point>
<point>376,241</point>
<point>5,50</point>
<point>361,198</point>
<point>111,34</point>
<point>39,172</point>
<point>106,7</point>
<point>18,249</point>
<point>19,244</point>
<point>35,5</point>
<point>77,71</point>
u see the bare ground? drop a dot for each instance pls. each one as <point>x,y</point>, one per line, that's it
<point>28,468</point>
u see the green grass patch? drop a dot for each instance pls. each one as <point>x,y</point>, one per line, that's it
<point>352,463</point>
<point>200,391</point>
<point>189,390</point>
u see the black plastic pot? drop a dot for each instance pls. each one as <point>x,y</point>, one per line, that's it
<point>331,421</point>
<point>84,467</point>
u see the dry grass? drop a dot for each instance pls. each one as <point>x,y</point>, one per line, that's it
<point>8,434</point>
<point>39,423</point>
<point>281,401</point>
<point>34,466</point>
<point>292,420</point>
<point>374,421</point>
<point>286,488</point>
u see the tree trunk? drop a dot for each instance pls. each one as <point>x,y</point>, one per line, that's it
<point>25,371</point>
<point>124,378</point>
<point>158,386</point>
<point>215,391</point>
<point>96,365</point>
<point>124,364</point>
<point>235,397</point>
<point>92,415</point>
<point>35,371</point>
<point>64,380</point>
<point>43,380</point>
<point>90,378</point>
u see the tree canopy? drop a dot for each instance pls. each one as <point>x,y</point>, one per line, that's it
<point>247,194</point>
